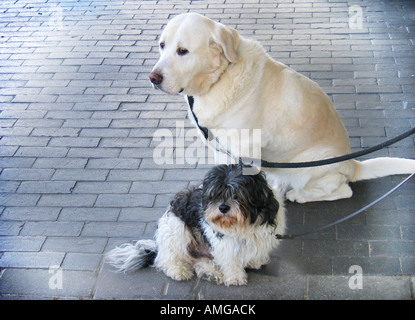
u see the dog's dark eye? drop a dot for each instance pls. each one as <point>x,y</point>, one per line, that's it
<point>162,44</point>
<point>182,51</point>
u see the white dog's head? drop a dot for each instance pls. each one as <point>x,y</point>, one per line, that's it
<point>194,52</point>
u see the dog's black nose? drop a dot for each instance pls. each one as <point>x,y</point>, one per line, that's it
<point>155,77</point>
<point>224,208</point>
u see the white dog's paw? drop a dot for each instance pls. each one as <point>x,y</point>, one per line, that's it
<point>209,272</point>
<point>293,196</point>
<point>179,273</point>
<point>255,265</point>
<point>236,280</point>
<point>216,278</point>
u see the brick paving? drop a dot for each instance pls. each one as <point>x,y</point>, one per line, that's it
<point>78,117</point>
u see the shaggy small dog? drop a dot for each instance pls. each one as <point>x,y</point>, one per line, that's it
<point>215,230</point>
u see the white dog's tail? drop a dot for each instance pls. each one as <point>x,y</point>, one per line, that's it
<point>130,257</point>
<point>382,167</point>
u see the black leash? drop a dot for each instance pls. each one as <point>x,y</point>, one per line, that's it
<point>324,162</point>
<point>350,156</point>
<point>292,236</point>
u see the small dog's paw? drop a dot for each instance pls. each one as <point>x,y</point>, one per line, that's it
<point>213,278</point>
<point>255,266</point>
<point>179,273</point>
<point>236,280</point>
<point>208,271</point>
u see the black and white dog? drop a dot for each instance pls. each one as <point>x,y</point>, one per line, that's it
<point>215,230</point>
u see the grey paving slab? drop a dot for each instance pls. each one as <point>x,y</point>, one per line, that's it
<point>77,169</point>
<point>45,284</point>
<point>373,288</point>
<point>111,285</point>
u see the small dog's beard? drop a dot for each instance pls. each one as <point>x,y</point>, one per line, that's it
<point>232,222</point>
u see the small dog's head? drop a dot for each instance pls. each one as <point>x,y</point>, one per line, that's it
<point>233,201</point>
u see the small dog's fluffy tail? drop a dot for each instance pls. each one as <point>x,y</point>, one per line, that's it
<point>382,167</point>
<point>130,257</point>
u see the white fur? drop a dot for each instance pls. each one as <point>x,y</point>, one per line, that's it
<point>129,257</point>
<point>237,85</point>
<point>379,167</point>
<point>172,238</point>
<point>232,254</point>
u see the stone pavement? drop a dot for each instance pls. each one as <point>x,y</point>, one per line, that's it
<point>78,117</point>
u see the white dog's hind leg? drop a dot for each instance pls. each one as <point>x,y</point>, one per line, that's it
<point>172,239</point>
<point>327,188</point>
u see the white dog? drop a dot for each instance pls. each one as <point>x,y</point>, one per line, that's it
<point>236,85</point>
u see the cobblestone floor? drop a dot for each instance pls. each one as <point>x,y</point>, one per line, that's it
<point>77,121</point>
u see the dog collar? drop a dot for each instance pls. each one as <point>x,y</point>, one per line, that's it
<point>210,138</point>
<point>205,131</point>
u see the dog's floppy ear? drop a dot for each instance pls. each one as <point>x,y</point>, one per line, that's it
<point>269,211</point>
<point>228,40</point>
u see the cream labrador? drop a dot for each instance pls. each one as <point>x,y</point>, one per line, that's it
<point>236,85</point>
